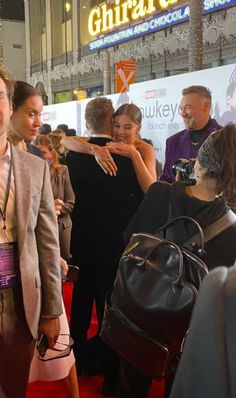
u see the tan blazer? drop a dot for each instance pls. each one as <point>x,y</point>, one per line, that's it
<point>37,236</point>
<point>62,189</point>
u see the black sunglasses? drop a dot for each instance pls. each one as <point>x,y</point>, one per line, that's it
<point>61,349</point>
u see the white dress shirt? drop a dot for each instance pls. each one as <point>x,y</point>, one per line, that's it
<point>10,211</point>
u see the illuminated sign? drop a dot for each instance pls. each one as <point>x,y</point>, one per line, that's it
<point>101,21</point>
<point>104,18</point>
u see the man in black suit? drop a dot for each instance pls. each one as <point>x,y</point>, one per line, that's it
<point>104,205</point>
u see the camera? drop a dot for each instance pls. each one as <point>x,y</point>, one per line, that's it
<point>184,168</point>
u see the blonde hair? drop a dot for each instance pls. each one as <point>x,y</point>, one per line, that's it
<point>98,114</point>
<point>46,141</point>
<point>55,140</point>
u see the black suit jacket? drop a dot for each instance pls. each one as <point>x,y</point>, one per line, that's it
<point>104,205</point>
<point>34,150</point>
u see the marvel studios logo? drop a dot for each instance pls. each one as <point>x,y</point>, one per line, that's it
<point>159,92</point>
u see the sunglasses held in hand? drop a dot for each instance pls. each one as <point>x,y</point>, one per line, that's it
<point>61,349</point>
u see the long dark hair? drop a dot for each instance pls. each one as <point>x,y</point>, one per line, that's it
<point>22,92</point>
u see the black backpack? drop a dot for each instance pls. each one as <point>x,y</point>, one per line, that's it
<point>149,310</point>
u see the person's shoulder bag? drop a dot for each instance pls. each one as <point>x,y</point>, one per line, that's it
<point>149,310</point>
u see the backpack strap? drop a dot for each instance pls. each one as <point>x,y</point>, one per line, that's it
<point>215,228</point>
<point>219,226</point>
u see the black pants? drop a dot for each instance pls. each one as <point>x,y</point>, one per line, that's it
<point>89,288</point>
<point>92,287</point>
<point>133,384</point>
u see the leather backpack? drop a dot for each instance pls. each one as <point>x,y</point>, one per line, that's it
<point>149,310</point>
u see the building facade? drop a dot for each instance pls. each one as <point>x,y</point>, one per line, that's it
<point>12,37</point>
<point>73,46</point>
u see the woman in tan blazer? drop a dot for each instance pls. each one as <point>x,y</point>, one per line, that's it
<point>25,124</point>
<point>62,191</point>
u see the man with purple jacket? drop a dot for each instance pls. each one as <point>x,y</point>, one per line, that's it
<point>194,108</point>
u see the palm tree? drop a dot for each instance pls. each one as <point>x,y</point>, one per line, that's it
<point>195,35</point>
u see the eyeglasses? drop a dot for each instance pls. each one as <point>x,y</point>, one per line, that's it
<point>61,349</point>
<point>183,109</point>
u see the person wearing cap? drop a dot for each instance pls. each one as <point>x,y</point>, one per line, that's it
<point>45,129</point>
<point>63,127</point>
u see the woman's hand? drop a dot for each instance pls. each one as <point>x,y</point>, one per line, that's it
<point>105,160</point>
<point>58,203</point>
<point>64,265</point>
<point>120,148</point>
<point>51,328</point>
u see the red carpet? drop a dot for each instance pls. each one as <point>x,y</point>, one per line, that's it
<point>89,386</point>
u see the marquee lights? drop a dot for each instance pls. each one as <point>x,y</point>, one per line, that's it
<point>162,20</point>
<point>104,17</point>
<point>159,22</point>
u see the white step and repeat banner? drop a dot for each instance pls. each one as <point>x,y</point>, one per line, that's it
<point>72,112</point>
<point>64,113</point>
<point>159,101</point>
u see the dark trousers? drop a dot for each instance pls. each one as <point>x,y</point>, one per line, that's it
<point>133,384</point>
<point>91,287</point>
<point>16,345</point>
<point>87,290</point>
